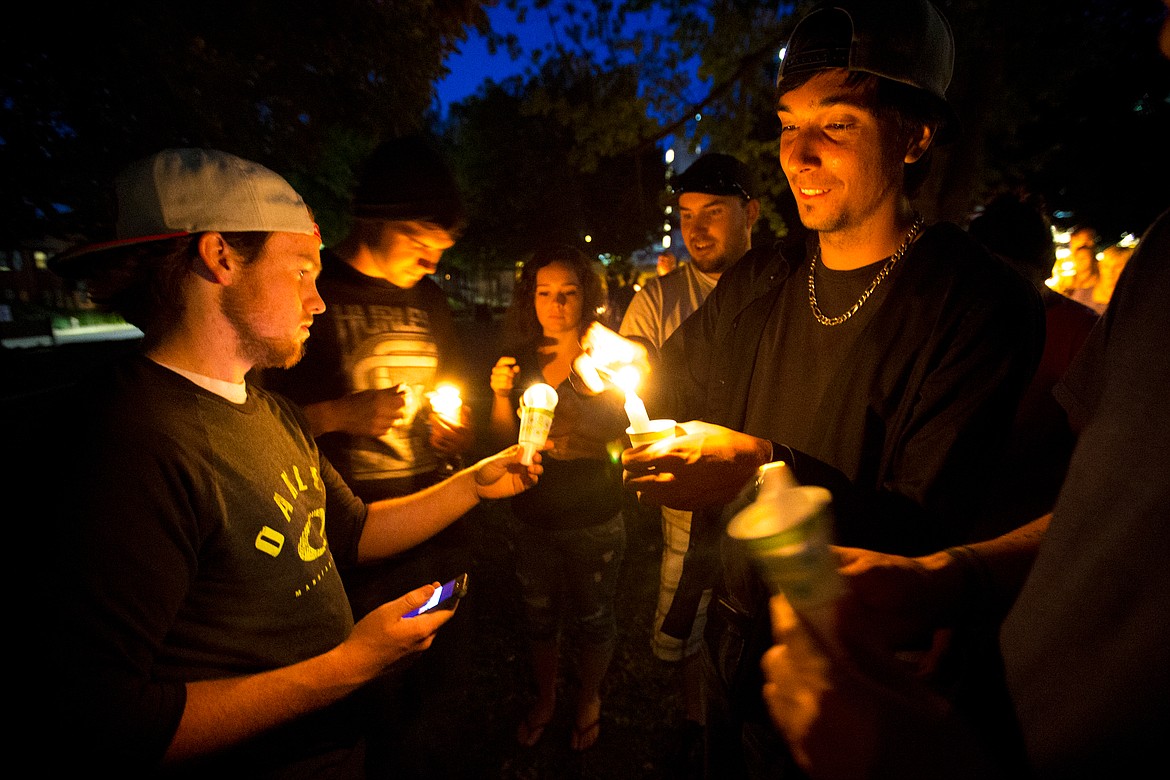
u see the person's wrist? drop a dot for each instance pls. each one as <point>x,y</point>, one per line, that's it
<point>351,664</point>
<point>961,573</point>
<point>320,417</point>
<point>476,482</point>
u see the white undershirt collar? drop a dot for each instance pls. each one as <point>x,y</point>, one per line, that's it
<point>236,393</point>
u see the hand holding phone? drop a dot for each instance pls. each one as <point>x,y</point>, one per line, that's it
<point>446,597</point>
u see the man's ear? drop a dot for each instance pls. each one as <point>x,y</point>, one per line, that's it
<point>215,263</point>
<point>753,212</point>
<point>918,143</point>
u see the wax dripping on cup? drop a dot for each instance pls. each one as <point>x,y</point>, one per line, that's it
<point>787,532</point>
<point>536,414</point>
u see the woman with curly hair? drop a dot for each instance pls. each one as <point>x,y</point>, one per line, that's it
<point>570,535</point>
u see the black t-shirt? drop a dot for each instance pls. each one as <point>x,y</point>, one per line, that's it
<point>204,539</point>
<point>581,492</point>
<point>803,355</point>
<point>375,335</point>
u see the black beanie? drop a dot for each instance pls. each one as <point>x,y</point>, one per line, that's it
<point>407,179</point>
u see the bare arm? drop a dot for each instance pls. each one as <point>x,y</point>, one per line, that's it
<point>815,690</point>
<point>397,524</point>
<point>894,601</point>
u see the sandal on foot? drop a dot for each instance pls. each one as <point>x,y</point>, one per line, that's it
<point>585,737</point>
<point>528,733</point>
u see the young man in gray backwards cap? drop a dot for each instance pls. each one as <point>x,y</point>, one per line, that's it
<point>881,358</point>
<point>204,626</point>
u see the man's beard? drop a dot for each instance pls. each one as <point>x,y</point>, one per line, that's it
<point>259,351</point>
<point>716,264</point>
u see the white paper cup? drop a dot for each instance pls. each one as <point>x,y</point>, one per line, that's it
<point>658,430</point>
<point>534,426</point>
<point>789,543</point>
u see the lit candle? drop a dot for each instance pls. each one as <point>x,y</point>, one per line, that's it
<point>445,401</point>
<point>536,415</point>
<point>627,379</point>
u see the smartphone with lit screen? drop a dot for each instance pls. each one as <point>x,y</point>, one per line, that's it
<point>445,597</point>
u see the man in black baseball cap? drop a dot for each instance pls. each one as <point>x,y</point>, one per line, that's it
<point>718,205</point>
<point>879,357</point>
<point>1083,646</point>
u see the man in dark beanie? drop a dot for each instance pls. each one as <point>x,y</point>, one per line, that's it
<point>383,344</point>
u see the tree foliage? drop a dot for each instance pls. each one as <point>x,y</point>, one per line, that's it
<point>304,87</point>
<point>1066,98</point>
<point>539,164</point>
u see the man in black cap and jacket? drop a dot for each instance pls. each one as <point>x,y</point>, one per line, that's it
<point>717,199</point>
<point>880,358</point>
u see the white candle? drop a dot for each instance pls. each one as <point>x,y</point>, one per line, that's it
<point>628,379</point>
<point>636,411</point>
<point>536,415</point>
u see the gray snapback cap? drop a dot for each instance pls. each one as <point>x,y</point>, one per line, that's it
<point>179,192</point>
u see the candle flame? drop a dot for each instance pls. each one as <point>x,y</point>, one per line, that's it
<point>607,347</point>
<point>445,400</point>
<point>627,378</point>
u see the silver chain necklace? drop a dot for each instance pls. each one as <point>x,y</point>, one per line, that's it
<point>881,275</point>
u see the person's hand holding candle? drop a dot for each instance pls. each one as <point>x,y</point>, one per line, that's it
<point>451,434</point>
